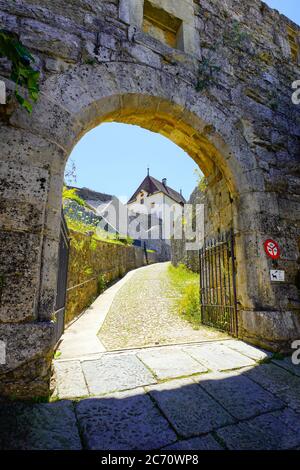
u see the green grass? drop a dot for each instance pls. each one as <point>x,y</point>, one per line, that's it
<point>73,196</point>
<point>186,284</point>
<point>101,235</point>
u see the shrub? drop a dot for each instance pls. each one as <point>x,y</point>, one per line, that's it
<point>186,284</point>
<point>189,304</point>
<point>102,284</point>
<point>72,194</point>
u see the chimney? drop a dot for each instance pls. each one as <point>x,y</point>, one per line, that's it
<point>164,181</point>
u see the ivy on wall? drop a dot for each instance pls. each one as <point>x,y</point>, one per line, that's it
<point>22,72</point>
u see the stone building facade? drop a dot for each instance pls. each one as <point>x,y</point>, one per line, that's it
<point>216,78</point>
<point>180,250</point>
<point>153,209</point>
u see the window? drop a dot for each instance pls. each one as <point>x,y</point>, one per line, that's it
<point>142,201</point>
<point>152,204</point>
<point>161,25</point>
<point>170,21</point>
<point>293,38</point>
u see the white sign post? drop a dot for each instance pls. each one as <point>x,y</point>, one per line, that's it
<point>2,352</point>
<point>2,92</point>
<point>277,275</point>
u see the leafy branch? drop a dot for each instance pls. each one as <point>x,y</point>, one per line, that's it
<point>22,72</point>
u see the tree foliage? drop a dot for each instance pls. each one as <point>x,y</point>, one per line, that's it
<point>22,72</point>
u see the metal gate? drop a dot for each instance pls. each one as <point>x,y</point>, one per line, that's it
<point>62,277</point>
<point>218,299</point>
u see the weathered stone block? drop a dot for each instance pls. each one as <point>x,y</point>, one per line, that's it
<point>171,364</point>
<point>218,358</point>
<point>272,431</point>
<point>39,427</point>
<point>242,398</point>
<point>20,273</point>
<point>102,422</point>
<point>50,40</point>
<point>110,373</point>
<point>190,410</point>
<point>23,182</point>
<point>275,330</point>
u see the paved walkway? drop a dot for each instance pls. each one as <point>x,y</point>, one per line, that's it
<point>213,395</point>
<point>80,338</point>
<point>209,396</point>
<point>144,313</point>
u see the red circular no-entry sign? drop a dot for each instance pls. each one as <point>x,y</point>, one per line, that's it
<point>272,249</point>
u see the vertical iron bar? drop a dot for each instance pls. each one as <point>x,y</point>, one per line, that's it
<point>200,281</point>
<point>220,276</point>
<point>224,276</point>
<point>216,280</point>
<point>235,313</point>
<point>229,279</point>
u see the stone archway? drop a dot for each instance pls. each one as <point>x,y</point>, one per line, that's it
<point>162,98</point>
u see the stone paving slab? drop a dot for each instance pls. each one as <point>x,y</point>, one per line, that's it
<point>168,363</point>
<point>189,409</point>
<point>239,395</point>
<point>287,364</point>
<point>70,380</point>
<point>43,426</point>
<point>218,357</point>
<point>279,382</point>
<point>113,373</point>
<point>196,443</point>
<point>248,350</point>
<point>279,430</point>
<point>123,421</point>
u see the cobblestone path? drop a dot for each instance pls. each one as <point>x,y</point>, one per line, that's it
<point>144,313</point>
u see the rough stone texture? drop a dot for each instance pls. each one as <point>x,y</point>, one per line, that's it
<point>112,373</point>
<point>179,252</point>
<point>235,409</point>
<point>243,133</point>
<point>196,443</point>
<point>287,364</point>
<point>250,351</point>
<point>278,381</point>
<point>173,363</point>
<point>273,431</point>
<point>188,408</point>
<point>27,368</point>
<point>70,381</point>
<point>123,421</point>
<point>218,357</point>
<point>241,397</point>
<point>39,427</point>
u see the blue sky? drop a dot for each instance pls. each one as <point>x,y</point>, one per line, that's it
<point>113,158</point>
<point>290,8</point>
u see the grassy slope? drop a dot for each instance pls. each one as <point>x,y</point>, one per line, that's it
<point>186,284</point>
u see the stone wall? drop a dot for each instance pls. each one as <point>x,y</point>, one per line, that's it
<point>179,252</point>
<point>91,261</point>
<point>228,105</point>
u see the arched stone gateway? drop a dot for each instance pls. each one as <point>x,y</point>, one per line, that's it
<point>225,101</point>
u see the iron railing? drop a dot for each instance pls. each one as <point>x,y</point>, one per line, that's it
<point>62,277</point>
<point>218,300</point>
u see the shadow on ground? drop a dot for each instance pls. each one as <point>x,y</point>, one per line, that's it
<point>251,409</point>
